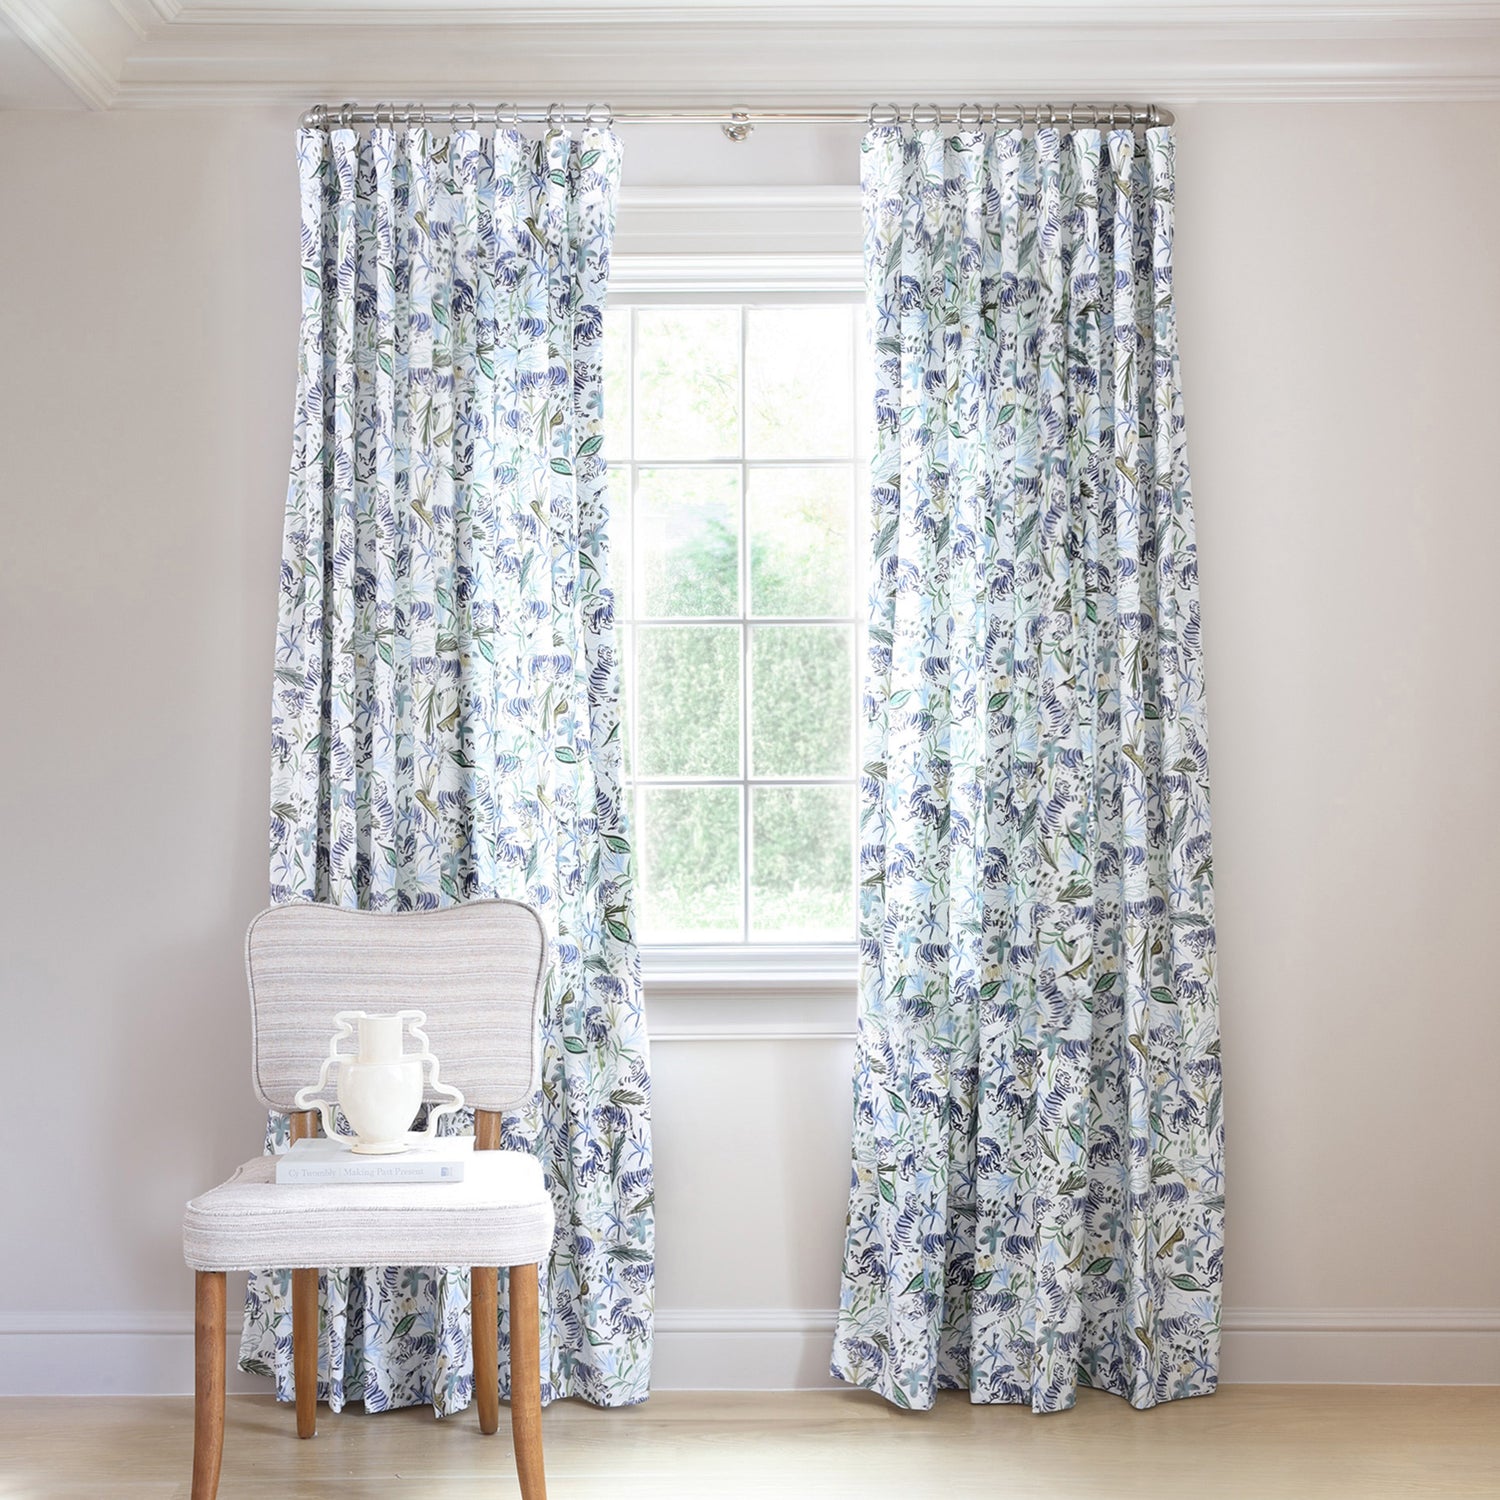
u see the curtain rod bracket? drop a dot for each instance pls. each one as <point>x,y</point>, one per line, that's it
<point>738,126</point>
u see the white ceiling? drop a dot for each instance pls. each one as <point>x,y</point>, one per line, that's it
<point>152,53</point>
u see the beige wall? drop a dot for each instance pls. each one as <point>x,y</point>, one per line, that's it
<point>1340,313</point>
<point>1340,305</point>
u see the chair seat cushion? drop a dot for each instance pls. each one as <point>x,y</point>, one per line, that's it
<point>499,1215</point>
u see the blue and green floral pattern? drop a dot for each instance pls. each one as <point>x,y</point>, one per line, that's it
<point>446,702</point>
<point>1037,1194</point>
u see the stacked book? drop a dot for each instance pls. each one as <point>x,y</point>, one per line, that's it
<point>318,1159</point>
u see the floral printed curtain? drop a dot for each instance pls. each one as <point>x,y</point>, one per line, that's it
<point>446,701</point>
<point>1036,1200</point>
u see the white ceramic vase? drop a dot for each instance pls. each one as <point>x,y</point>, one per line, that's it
<point>380,1089</point>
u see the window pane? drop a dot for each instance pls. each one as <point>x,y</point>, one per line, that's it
<point>690,863</point>
<point>802,691</point>
<point>802,862</point>
<point>617,386</point>
<point>687,687</point>
<point>798,371</point>
<point>689,541</point>
<point>799,541</point>
<point>687,380</point>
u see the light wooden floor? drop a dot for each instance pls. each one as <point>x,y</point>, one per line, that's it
<point>1255,1442</point>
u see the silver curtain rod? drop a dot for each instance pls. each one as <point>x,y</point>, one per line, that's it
<point>735,123</point>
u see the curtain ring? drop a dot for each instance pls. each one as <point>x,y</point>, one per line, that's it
<point>975,120</point>
<point>919,121</point>
<point>556,117</point>
<point>345,110</point>
<point>606,118</point>
<point>883,114</point>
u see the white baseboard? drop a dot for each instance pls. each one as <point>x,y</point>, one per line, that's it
<point>769,1350</point>
<point>742,1349</point>
<point>1361,1346</point>
<point>67,1354</point>
<point>107,1354</point>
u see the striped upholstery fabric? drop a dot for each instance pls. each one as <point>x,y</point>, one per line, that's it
<point>476,969</point>
<point>499,1215</point>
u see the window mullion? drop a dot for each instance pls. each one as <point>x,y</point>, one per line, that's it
<point>745,823</point>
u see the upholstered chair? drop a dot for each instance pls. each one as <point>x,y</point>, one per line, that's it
<point>477,971</point>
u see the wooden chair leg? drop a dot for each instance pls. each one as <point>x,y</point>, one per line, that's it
<point>484,1320</point>
<point>305,1335</point>
<point>208,1384</point>
<point>526,1382</point>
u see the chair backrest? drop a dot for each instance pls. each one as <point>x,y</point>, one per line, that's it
<point>476,969</point>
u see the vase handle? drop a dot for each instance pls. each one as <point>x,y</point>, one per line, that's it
<point>453,1099</point>
<point>343,1026</point>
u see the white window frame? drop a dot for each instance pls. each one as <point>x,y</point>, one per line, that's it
<point>743,991</point>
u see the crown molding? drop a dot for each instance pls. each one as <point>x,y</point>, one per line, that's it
<point>142,15</point>
<point>1289,17</point>
<point>83,41</point>
<point>176,53</point>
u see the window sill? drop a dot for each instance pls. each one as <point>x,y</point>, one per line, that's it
<point>750,992</point>
<point>743,967</point>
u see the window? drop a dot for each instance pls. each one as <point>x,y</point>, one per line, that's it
<point>733,456</point>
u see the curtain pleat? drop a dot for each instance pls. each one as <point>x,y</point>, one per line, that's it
<point>446,705</point>
<point>1036,1195</point>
